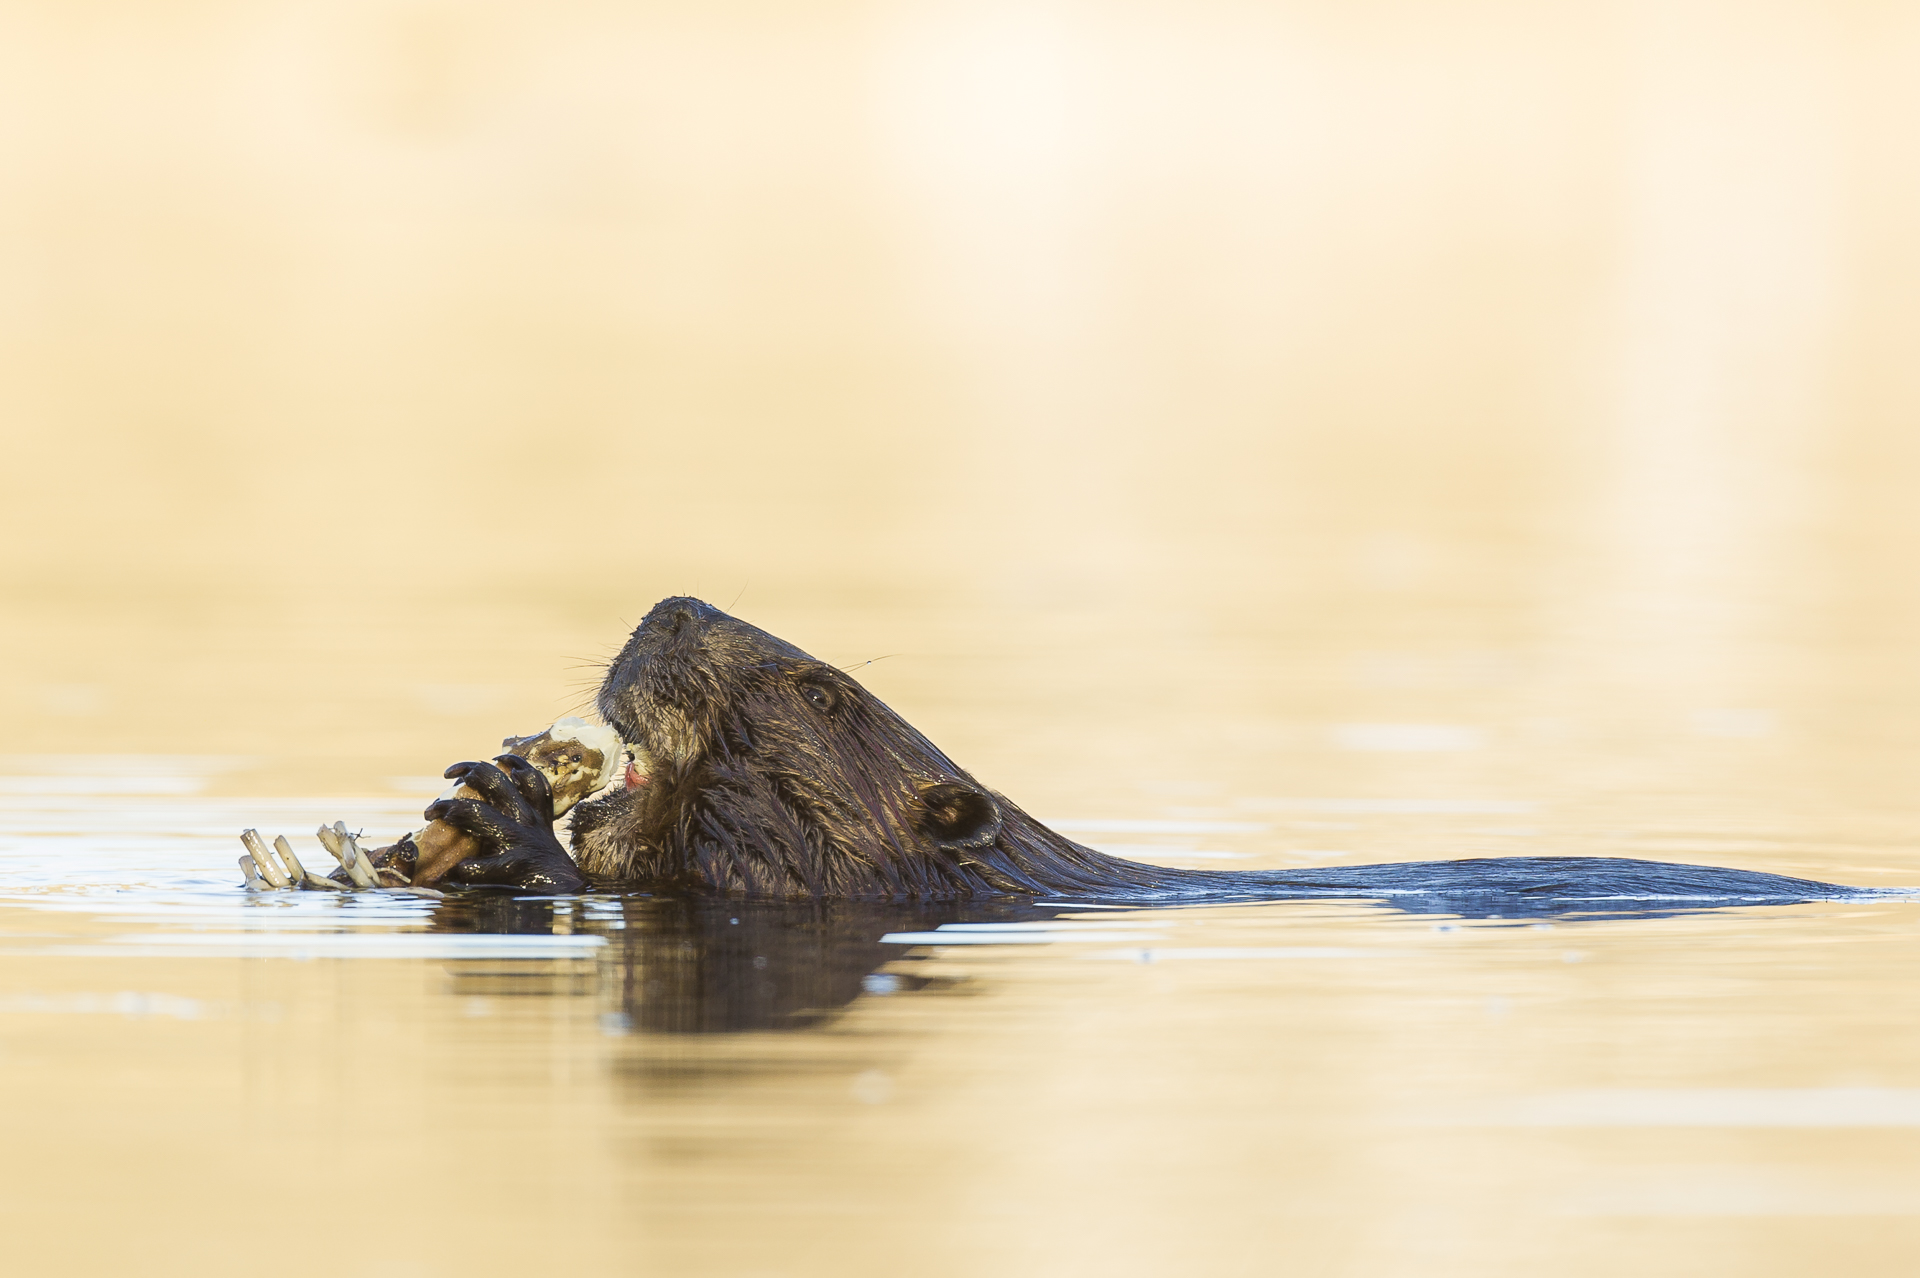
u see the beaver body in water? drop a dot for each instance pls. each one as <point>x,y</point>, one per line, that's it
<point>759,770</point>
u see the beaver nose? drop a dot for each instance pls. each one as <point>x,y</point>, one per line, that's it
<point>679,616</point>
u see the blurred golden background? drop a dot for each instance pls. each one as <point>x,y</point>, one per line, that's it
<point>1278,433</point>
<point>1156,386</point>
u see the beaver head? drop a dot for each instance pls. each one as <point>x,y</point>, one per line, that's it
<point>758,768</point>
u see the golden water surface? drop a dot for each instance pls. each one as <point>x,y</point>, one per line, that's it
<point>1250,435</point>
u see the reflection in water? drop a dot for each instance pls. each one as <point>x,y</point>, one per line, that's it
<point>702,966</point>
<point>706,966</point>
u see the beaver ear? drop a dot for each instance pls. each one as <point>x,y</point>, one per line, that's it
<point>958,816</point>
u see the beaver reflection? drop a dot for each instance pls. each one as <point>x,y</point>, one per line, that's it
<point>705,965</point>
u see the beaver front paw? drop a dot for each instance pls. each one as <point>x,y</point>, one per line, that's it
<point>511,825</point>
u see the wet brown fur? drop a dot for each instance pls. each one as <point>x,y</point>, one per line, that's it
<point>773,774</point>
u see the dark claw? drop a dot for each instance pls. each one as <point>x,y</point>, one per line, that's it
<point>471,816</point>
<point>535,790</point>
<point>497,790</point>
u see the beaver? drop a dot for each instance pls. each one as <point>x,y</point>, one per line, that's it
<point>758,770</point>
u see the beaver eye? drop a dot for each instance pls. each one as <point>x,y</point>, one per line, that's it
<point>822,699</point>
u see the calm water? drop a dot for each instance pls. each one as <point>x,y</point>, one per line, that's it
<point>386,1085</point>
<point>1249,436</point>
